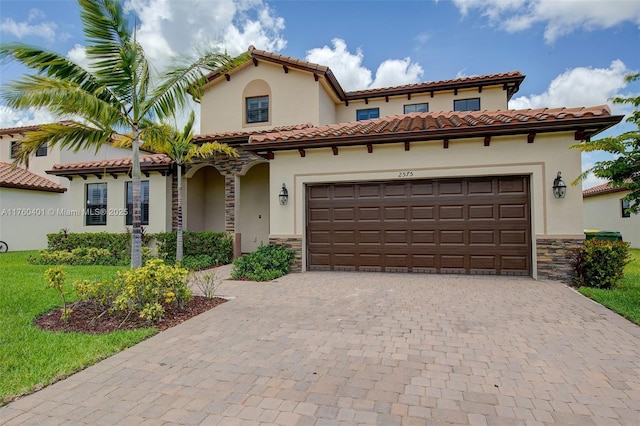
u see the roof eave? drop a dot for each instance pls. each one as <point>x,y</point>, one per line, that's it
<point>590,126</point>
<point>31,188</point>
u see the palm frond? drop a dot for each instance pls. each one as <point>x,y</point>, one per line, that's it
<point>209,149</point>
<point>55,66</point>
<point>180,81</point>
<point>45,92</point>
<point>71,135</point>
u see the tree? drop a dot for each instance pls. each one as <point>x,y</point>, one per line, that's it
<point>116,96</point>
<point>182,150</point>
<point>624,170</point>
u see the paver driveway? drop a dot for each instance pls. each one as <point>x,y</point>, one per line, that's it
<point>331,348</point>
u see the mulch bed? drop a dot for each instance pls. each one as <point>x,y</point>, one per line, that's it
<point>81,319</point>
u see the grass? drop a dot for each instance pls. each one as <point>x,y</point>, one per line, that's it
<point>31,358</point>
<point>624,298</point>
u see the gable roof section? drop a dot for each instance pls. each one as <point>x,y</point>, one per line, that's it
<point>585,122</point>
<point>510,81</point>
<point>148,163</point>
<point>20,178</point>
<point>605,188</point>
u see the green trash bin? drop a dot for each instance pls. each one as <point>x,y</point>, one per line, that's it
<point>603,235</point>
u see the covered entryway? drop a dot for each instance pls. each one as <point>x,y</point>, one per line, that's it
<point>477,225</point>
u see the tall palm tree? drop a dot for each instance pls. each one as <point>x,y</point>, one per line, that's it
<point>116,95</point>
<point>182,150</point>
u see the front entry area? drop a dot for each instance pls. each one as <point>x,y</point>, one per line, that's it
<point>478,225</point>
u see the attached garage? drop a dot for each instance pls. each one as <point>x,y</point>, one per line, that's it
<point>463,226</point>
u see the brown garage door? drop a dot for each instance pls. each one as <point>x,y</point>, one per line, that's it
<point>467,226</point>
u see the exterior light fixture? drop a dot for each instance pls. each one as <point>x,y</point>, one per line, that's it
<point>284,195</point>
<point>559,187</point>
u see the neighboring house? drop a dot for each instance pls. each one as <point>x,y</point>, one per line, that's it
<point>604,210</point>
<point>434,177</point>
<point>32,202</point>
<point>30,207</point>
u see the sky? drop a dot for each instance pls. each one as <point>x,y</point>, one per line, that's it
<point>573,52</point>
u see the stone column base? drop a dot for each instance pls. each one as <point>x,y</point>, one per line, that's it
<point>294,244</point>
<point>555,258</point>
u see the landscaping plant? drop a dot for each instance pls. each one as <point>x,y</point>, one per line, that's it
<point>265,264</point>
<point>600,264</point>
<point>55,278</point>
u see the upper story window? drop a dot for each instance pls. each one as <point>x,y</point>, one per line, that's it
<point>367,114</point>
<point>42,151</point>
<point>15,147</point>
<point>144,205</point>
<point>624,206</point>
<point>416,108</point>
<point>258,109</point>
<point>96,211</point>
<point>472,104</point>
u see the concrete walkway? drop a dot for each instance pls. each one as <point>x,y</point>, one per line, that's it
<point>367,348</point>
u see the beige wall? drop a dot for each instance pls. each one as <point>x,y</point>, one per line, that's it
<point>26,217</point>
<point>203,200</point>
<point>159,204</point>
<point>505,156</point>
<point>604,213</point>
<point>253,207</point>
<point>294,99</point>
<point>490,99</point>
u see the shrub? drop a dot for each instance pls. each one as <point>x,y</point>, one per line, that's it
<point>145,289</point>
<point>55,278</point>
<point>218,246</point>
<point>198,262</point>
<point>77,256</point>
<point>207,283</point>
<point>118,245</point>
<point>265,264</point>
<point>600,264</point>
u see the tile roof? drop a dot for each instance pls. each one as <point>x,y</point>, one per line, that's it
<point>441,125</point>
<point>153,162</point>
<point>243,135</point>
<point>605,188</point>
<point>13,131</point>
<point>511,80</point>
<point>23,179</point>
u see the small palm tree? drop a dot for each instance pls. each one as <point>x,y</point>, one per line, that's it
<point>117,95</point>
<point>182,150</point>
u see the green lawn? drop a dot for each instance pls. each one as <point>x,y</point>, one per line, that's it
<point>624,299</point>
<point>31,358</point>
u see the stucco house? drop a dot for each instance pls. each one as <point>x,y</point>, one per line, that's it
<point>436,177</point>
<point>605,210</point>
<point>34,203</point>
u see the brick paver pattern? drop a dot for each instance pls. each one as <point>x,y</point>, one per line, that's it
<point>367,348</point>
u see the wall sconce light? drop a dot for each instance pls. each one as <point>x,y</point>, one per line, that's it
<point>284,195</point>
<point>559,187</point>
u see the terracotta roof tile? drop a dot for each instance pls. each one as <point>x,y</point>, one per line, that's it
<point>244,134</point>
<point>436,125</point>
<point>24,179</point>
<point>147,162</point>
<point>605,188</point>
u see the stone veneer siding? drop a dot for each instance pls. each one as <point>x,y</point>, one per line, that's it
<point>555,258</point>
<point>292,243</point>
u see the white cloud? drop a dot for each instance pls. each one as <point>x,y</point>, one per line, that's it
<point>79,55</point>
<point>168,28</point>
<point>559,17</point>
<point>20,30</point>
<point>10,117</point>
<point>582,86</point>
<point>352,75</point>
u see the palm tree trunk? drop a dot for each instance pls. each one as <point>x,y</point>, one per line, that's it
<point>179,247</point>
<point>136,174</point>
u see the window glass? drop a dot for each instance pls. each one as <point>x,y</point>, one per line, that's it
<point>96,208</point>
<point>144,205</point>
<point>367,114</point>
<point>416,108</point>
<point>624,205</point>
<point>258,109</point>
<point>472,104</point>
<point>42,151</point>
<point>15,147</point>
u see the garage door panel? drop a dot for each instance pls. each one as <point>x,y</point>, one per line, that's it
<point>473,225</point>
